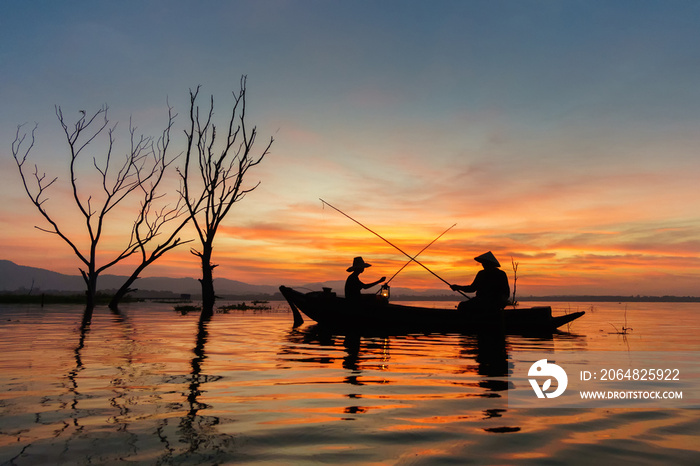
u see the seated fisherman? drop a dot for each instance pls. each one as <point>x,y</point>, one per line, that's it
<point>490,284</point>
<point>353,284</point>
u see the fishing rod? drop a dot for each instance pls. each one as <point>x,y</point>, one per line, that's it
<point>421,251</point>
<point>393,245</point>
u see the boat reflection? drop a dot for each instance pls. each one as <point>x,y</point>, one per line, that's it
<point>474,367</point>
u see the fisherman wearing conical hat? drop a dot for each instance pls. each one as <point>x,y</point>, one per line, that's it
<point>490,284</point>
<point>353,284</point>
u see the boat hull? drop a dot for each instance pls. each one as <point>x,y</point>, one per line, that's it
<point>373,313</point>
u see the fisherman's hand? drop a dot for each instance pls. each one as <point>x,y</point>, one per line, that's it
<point>454,287</point>
<point>382,279</point>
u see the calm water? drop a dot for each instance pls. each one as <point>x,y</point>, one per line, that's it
<point>151,386</point>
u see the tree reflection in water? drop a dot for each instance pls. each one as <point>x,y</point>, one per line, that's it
<point>72,378</point>
<point>73,419</point>
<point>197,431</point>
<point>197,437</point>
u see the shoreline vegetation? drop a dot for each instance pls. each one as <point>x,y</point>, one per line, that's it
<point>103,298</point>
<point>254,306</point>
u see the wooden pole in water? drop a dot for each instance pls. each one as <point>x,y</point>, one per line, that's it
<point>392,245</point>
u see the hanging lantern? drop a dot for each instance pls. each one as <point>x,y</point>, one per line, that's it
<point>384,292</point>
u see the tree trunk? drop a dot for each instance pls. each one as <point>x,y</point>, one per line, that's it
<point>90,290</point>
<point>207,281</point>
<point>119,295</point>
<point>126,287</point>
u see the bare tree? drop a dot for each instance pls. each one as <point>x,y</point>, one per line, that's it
<point>151,221</point>
<point>141,164</point>
<point>514,264</point>
<point>222,167</point>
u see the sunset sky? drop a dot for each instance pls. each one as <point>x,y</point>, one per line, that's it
<point>562,134</point>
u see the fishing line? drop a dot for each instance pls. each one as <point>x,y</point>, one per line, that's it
<point>392,245</point>
<point>421,251</point>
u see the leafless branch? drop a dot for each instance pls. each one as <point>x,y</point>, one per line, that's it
<point>223,166</point>
<point>141,170</point>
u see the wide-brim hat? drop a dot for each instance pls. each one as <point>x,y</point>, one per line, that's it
<point>488,257</point>
<point>358,264</point>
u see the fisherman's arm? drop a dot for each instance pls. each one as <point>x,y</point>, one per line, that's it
<point>370,285</point>
<point>467,288</point>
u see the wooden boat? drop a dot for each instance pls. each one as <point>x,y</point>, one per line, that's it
<point>376,313</point>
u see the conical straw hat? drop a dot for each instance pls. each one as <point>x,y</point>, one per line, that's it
<point>488,257</point>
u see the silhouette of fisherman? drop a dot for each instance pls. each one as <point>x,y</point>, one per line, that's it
<point>353,284</point>
<point>490,284</point>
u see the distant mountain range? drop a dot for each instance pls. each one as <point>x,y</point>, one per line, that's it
<point>22,279</point>
<point>15,277</point>
<point>19,278</point>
